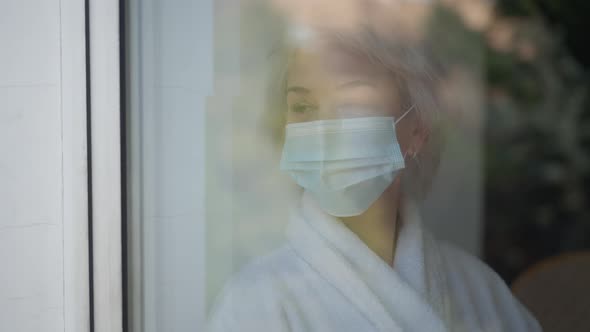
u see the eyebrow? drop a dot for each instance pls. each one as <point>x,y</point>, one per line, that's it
<point>346,85</point>
<point>298,89</point>
<point>354,84</point>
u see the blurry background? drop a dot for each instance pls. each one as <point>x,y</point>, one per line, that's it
<point>537,166</point>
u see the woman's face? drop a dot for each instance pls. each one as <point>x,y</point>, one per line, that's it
<point>327,83</point>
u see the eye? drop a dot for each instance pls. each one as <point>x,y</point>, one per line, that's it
<point>302,108</point>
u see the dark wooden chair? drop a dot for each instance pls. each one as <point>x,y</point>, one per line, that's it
<point>557,292</point>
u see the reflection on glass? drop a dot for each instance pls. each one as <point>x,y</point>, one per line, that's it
<point>345,164</point>
<point>359,110</point>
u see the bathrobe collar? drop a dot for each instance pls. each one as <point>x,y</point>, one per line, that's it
<point>410,296</point>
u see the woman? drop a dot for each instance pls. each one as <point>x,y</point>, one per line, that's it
<point>360,139</point>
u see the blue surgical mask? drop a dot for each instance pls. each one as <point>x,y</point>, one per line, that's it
<point>345,164</point>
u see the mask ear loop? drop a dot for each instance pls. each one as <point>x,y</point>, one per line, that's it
<point>405,113</point>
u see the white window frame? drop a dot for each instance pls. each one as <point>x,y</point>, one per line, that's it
<point>105,111</point>
<point>75,168</point>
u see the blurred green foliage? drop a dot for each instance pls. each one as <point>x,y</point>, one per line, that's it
<point>538,136</point>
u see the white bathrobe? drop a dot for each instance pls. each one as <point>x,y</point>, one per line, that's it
<point>326,279</point>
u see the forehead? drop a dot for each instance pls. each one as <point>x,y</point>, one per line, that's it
<point>325,62</point>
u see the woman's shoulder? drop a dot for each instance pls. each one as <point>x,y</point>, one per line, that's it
<point>479,291</point>
<point>251,299</point>
<point>268,269</point>
<point>469,266</point>
<point>262,273</point>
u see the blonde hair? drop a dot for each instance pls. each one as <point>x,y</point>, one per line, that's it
<point>418,76</point>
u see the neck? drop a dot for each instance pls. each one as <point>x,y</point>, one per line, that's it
<point>377,227</point>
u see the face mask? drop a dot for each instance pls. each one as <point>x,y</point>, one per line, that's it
<point>345,164</point>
